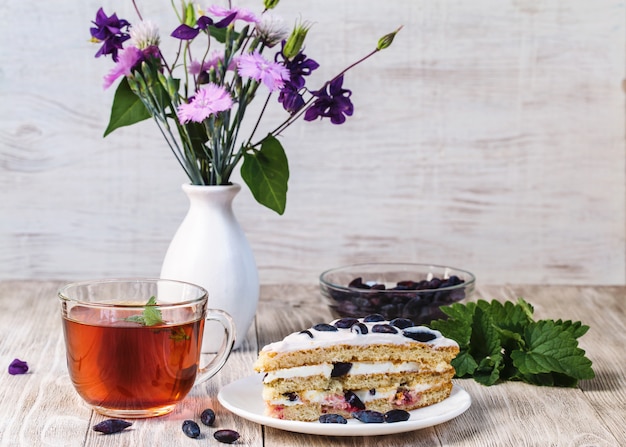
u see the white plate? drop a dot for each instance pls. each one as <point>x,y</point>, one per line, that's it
<point>243,397</point>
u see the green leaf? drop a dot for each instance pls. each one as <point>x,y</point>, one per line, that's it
<point>575,329</point>
<point>551,348</point>
<point>179,334</point>
<point>501,341</point>
<point>135,319</point>
<point>220,33</point>
<point>488,371</point>
<point>150,316</point>
<point>458,326</point>
<point>266,172</point>
<point>151,313</point>
<point>457,329</point>
<point>510,320</point>
<point>485,346</point>
<point>127,108</point>
<point>511,316</point>
<point>527,307</point>
<point>464,364</point>
<point>484,340</point>
<point>458,311</point>
<point>510,340</point>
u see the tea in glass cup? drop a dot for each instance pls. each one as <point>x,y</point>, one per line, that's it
<point>133,345</point>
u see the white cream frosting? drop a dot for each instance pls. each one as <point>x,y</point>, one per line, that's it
<point>299,371</point>
<point>330,397</point>
<point>325,369</point>
<point>301,340</point>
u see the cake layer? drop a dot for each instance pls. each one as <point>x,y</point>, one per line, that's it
<point>325,402</point>
<point>360,375</point>
<point>313,347</point>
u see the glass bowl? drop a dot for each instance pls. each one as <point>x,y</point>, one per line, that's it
<point>395,290</point>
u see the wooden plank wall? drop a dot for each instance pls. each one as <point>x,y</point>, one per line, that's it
<point>490,136</point>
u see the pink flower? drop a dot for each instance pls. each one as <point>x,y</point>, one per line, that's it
<point>241,13</point>
<point>195,68</point>
<point>127,59</point>
<point>255,66</point>
<point>209,100</point>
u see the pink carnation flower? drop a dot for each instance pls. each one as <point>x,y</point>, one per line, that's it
<point>242,13</point>
<point>195,68</point>
<point>255,66</point>
<point>209,100</point>
<point>127,59</point>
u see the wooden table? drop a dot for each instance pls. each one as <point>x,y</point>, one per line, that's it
<point>41,408</point>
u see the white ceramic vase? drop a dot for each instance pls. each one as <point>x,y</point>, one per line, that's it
<point>211,250</point>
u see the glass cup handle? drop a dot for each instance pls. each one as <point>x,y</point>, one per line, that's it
<point>213,367</point>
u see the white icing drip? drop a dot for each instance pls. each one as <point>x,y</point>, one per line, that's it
<point>300,341</point>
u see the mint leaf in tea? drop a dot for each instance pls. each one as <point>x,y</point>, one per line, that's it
<point>179,334</point>
<point>150,316</point>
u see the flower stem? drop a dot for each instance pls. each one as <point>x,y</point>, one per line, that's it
<point>137,11</point>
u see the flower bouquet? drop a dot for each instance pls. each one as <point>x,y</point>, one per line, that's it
<point>222,66</point>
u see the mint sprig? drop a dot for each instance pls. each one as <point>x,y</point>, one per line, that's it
<point>501,341</point>
<point>150,316</point>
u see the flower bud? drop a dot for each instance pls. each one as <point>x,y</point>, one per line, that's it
<point>387,40</point>
<point>145,34</point>
<point>296,40</point>
<point>189,14</point>
<point>203,78</point>
<point>271,29</point>
<point>270,4</point>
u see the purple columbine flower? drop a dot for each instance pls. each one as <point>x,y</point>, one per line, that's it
<point>186,32</point>
<point>291,98</point>
<point>334,103</point>
<point>111,31</point>
<point>18,366</point>
<point>298,67</point>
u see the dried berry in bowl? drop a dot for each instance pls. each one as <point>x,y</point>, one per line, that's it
<point>394,290</point>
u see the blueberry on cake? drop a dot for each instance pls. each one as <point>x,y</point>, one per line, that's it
<point>352,365</point>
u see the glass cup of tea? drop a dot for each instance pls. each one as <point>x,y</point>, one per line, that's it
<point>133,345</point>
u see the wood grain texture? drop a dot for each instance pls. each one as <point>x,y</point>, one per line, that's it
<point>490,136</point>
<point>42,408</point>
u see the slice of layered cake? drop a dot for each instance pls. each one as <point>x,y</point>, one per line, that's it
<point>352,365</point>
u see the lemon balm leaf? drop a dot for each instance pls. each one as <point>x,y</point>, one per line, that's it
<point>151,313</point>
<point>464,364</point>
<point>501,341</point>
<point>551,348</point>
<point>150,316</point>
<point>488,371</point>
<point>511,316</point>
